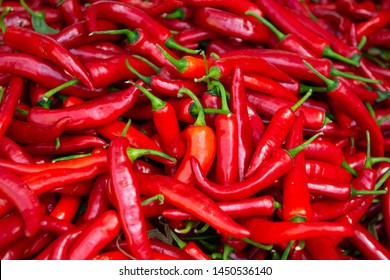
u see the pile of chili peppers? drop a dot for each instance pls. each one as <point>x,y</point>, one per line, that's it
<point>194,129</point>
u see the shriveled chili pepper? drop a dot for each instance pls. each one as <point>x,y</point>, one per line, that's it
<point>24,199</point>
<point>98,111</point>
<point>289,23</point>
<point>280,162</point>
<point>356,109</point>
<point>273,136</point>
<point>231,24</point>
<point>201,143</point>
<point>271,232</point>
<point>133,17</point>
<point>198,204</point>
<point>9,101</point>
<point>23,39</point>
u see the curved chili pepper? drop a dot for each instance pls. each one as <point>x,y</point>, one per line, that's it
<point>289,23</point>
<point>231,24</point>
<point>375,23</point>
<point>356,109</point>
<point>26,132</point>
<point>12,228</point>
<point>71,11</point>
<point>273,136</point>
<point>257,127</point>
<point>127,195</point>
<point>98,111</point>
<point>66,208</point>
<point>24,199</point>
<point>317,169</point>
<point>9,102</point>
<point>271,232</point>
<point>12,151</point>
<point>370,247</point>
<point>133,17</point>
<point>198,204</point>
<point>321,149</point>
<point>23,39</point>
<point>201,144</point>
<point>43,72</point>
<point>99,233</point>
<point>77,34</point>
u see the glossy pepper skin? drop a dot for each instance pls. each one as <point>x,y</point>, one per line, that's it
<point>128,201</point>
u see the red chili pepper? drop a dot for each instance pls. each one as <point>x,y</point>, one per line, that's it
<point>239,108</point>
<point>127,195</point>
<point>12,227</point>
<point>257,127</point>
<point>231,24</point>
<point>133,17</point>
<point>12,151</point>
<point>9,102</point>
<point>43,72</point>
<point>77,34</point>
<point>271,232</point>
<point>98,202</point>
<point>289,23</point>
<point>375,23</point>
<point>98,111</point>
<point>23,39</point>
<point>273,136</point>
<point>95,236</point>
<point>24,199</point>
<point>366,243</point>
<point>198,204</point>
<point>191,248</point>
<point>296,199</point>
<point>169,250</point>
<point>201,144</point>
<point>356,109</point>
<point>66,208</point>
<point>71,11</point>
<point>228,5</point>
<point>27,133</point>
<point>112,255</point>
<point>256,206</point>
<point>321,248</point>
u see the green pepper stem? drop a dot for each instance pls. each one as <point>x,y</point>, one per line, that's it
<point>355,192</point>
<point>21,111</point>
<point>367,164</point>
<point>328,52</point>
<point>258,245</point>
<point>158,197</point>
<point>126,128</point>
<point>227,250</point>
<point>214,111</point>
<point>382,180</point>
<point>134,153</point>
<point>335,72</point>
<point>57,143</point>
<point>146,79</point>
<point>286,252</point>
<point>200,120</point>
<point>347,167</point>
<point>214,73</point>
<point>331,84</point>
<point>38,20</point>
<point>2,16</point>
<point>170,43</point>
<point>293,152</point>
<point>148,62</point>
<point>179,64</point>
<point>177,13</point>
<point>382,95</point>
<point>70,157</point>
<point>375,160</point>
<point>179,242</point>
<point>1,93</point>
<point>362,43</point>
<point>277,205</point>
<point>267,23</point>
<point>222,93</point>
<point>157,103</point>
<point>304,88</point>
<point>187,229</point>
<point>132,36</point>
<point>203,229</point>
<point>302,100</point>
<point>53,91</point>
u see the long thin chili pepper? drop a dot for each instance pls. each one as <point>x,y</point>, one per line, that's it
<point>9,149</point>
<point>288,23</point>
<point>198,204</point>
<point>9,101</point>
<point>98,111</point>
<point>229,5</point>
<point>231,24</point>
<point>201,144</point>
<point>271,232</point>
<point>133,17</point>
<point>280,162</point>
<point>24,199</point>
<point>23,39</point>
<point>274,135</point>
<point>356,109</point>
